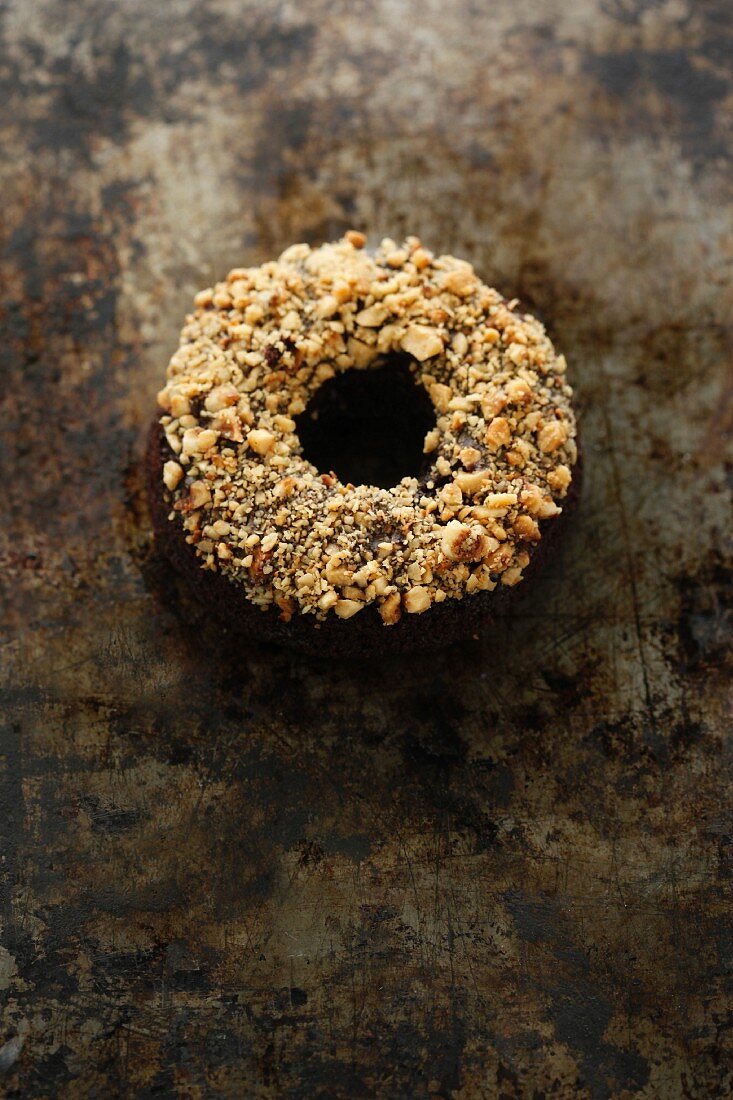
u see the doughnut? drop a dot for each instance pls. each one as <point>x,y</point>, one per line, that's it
<point>291,552</point>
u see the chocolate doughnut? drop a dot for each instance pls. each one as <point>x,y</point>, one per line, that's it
<point>292,552</point>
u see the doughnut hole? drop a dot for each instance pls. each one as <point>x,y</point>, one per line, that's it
<point>368,426</point>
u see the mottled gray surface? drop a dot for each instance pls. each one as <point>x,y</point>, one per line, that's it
<point>501,872</point>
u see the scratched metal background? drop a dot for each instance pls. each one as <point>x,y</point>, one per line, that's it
<point>504,871</point>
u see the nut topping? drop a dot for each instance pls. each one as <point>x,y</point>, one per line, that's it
<point>422,342</point>
<point>463,543</point>
<point>551,436</point>
<point>498,433</point>
<point>417,600</point>
<point>346,608</point>
<point>172,474</point>
<point>461,281</point>
<point>389,609</point>
<point>261,441</point>
<point>500,454</point>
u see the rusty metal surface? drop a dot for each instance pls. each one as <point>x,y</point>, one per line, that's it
<point>504,871</point>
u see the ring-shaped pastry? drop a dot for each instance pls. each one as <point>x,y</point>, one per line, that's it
<point>231,479</point>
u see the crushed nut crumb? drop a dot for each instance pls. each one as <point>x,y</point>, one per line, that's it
<point>251,356</point>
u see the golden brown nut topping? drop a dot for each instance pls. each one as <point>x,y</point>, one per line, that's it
<point>252,354</point>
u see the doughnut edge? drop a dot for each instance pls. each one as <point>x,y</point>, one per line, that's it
<point>365,635</point>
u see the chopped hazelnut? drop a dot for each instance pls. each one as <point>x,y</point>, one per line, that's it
<point>199,494</point>
<point>469,456</point>
<point>291,321</point>
<point>285,487</point>
<point>551,436</point>
<point>526,528</point>
<point>346,608</point>
<point>470,483</point>
<point>460,344</point>
<point>518,391</point>
<point>451,495</point>
<point>353,236</point>
<point>498,504</point>
<point>294,252</point>
<point>336,573</point>
<point>362,354</point>
<point>221,397</point>
<point>203,298</point>
<point>484,582</point>
<point>421,342</point>
<point>417,600</point>
<point>372,317</point>
<point>179,404</point>
<point>229,425</point>
<point>326,306</point>
<point>463,543</point>
<point>390,609</point>
<point>440,395</point>
<point>462,281</point>
<point>499,559</point>
<point>172,474</point>
<point>174,441</point>
<point>261,441</point>
<point>432,439</point>
<point>461,403</point>
<point>517,354</point>
<point>498,433</point>
<point>532,499</point>
<point>324,371</point>
<point>559,479</point>
<point>198,440</point>
<point>342,291</point>
<point>492,404</point>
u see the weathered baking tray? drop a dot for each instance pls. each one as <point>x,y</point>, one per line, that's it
<point>500,871</point>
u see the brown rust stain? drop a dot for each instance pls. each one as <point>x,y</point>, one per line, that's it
<point>229,871</point>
